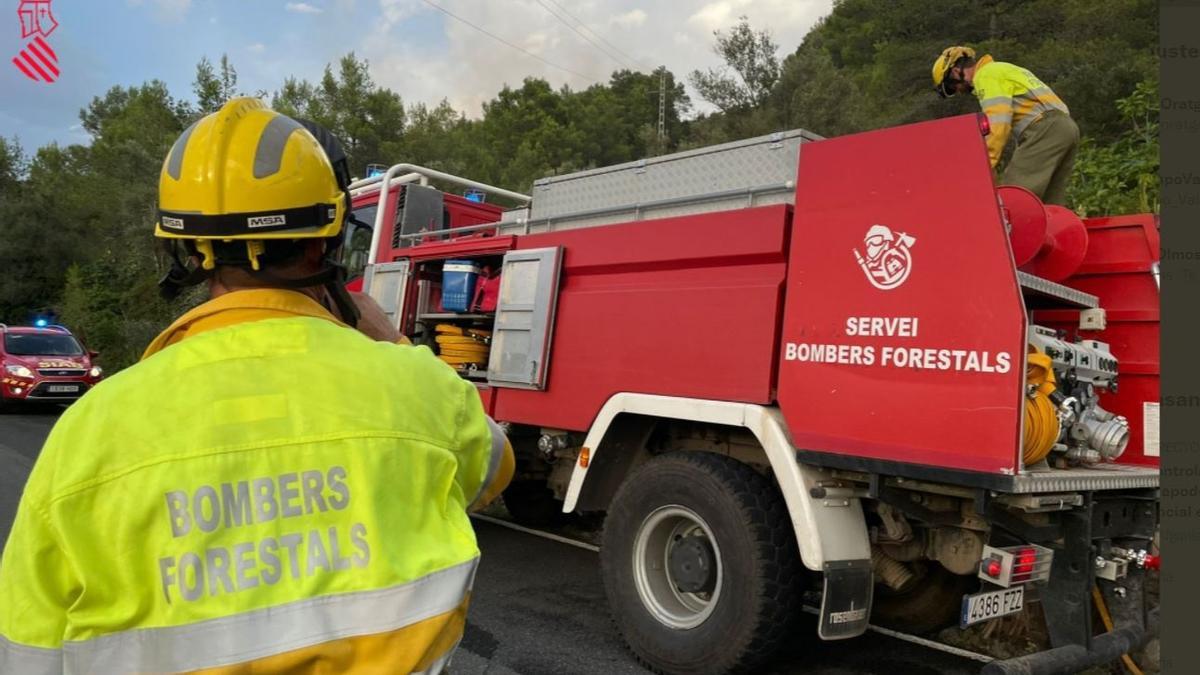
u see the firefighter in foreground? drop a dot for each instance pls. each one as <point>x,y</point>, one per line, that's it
<point>268,490</point>
<point>1016,101</point>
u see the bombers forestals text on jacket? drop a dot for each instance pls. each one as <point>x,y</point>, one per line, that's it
<point>267,491</point>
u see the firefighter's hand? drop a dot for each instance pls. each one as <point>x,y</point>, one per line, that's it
<point>373,322</point>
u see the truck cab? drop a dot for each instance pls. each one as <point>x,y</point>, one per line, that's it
<point>44,364</point>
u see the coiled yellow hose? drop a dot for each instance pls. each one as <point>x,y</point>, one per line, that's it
<point>461,347</point>
<point>1041,418</point>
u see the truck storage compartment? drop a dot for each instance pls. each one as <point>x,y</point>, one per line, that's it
<point>447,318</point>
<point>742,174</point>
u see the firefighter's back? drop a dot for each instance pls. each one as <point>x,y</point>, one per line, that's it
<point>285,493</point>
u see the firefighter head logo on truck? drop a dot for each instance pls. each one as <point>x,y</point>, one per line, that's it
<point>887,261</point>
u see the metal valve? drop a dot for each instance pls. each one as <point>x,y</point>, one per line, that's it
<point>1141,557</point>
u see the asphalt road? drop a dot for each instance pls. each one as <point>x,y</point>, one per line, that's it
<point>21,437</point>
<point>538,607</point>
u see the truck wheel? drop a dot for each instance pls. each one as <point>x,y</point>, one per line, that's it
<point>929,603</point>
<point>700,564</point>
<point>532,503</point>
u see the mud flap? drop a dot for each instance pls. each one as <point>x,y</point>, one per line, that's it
<point>846,600</point>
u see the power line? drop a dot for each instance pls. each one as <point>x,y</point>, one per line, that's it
<point>502,40</point>
<point>600,37</point>
<point>595,44</point>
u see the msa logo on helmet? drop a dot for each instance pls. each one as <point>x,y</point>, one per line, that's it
<point>266,221</point>
<point>887,261</point>
<point>173,223</point>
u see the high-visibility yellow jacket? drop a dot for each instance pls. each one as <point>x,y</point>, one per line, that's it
<point>1012,98</point>
<point>267,491</point>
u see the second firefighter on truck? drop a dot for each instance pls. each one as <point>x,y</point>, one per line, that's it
<point>1017,104</point>
<point>269,489</point>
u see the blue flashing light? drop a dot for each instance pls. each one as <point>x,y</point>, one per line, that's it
<point>474,195</point>
<point>375,170</point>
<point>40,323</point>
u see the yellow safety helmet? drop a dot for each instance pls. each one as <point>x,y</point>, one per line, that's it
<point>248,173</point>
<point>944,63</point>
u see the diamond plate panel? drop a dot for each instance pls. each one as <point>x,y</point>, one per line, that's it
<point>741,165</point>
<point>1105,477</point>
<point>1057,291</point>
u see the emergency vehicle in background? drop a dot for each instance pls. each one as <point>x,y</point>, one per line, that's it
<point>850,367</point>
<point>44,364</point>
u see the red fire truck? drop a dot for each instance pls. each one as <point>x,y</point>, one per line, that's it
<point>850,367</point>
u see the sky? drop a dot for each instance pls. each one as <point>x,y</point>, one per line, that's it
<point>413,48</point>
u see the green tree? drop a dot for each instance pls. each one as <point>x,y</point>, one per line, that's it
<point>752,57</point>
<point>113,187</point>
<point>42,231</point>
<point>368,120</point>
<point>213,89</point>
<point>12,165</point>
<point>812,94</point>
<point>866,66</point>
<point>1121,176</point>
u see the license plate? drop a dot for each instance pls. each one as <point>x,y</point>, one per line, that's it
<point>992,604</point>
<point>64,389</point>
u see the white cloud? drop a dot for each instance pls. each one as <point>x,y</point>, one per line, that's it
<point>303,8</point>
<point>257,48</point>
<point>634,17</point>
<point>717,15</point>
<point>457,62</point>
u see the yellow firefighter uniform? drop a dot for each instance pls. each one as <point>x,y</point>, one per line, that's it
<point>272,492</point>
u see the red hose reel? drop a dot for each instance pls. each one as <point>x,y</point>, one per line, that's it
<point>1048,241</point>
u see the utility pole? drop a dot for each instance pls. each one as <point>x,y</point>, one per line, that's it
<point>662,104</point>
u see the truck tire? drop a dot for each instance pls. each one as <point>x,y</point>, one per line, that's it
<point>700,565</point>
<point>532,504</point>
<point>931,602</point>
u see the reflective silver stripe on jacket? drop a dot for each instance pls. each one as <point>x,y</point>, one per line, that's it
<point>999,118</point>
<point>272,630</point>
<point>498,442</point>
<point>1039,108</point>
<point>23,659</point>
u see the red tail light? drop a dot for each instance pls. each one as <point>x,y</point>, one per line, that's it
<point>993,567</point>
<point>985,127</point>
<point>1010,565</point>
<point>1023,563</point>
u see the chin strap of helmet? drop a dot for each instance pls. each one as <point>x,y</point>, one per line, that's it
<point>332,278</point>
<point>179,276</point>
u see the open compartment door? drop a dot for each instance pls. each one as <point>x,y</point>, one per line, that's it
<point>387,283</point>
<point>525,318</point>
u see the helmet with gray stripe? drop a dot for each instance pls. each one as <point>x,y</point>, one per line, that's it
<point>246,182</point>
